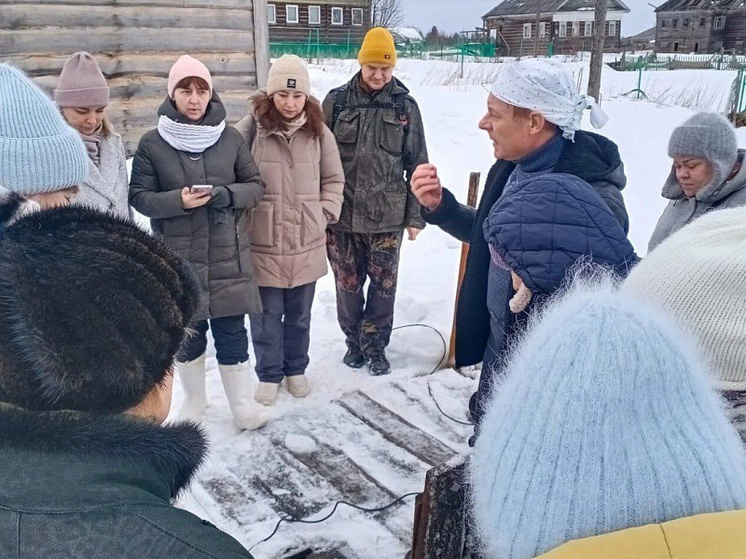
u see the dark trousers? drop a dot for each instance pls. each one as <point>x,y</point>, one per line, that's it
<point>231,340</point>
<point>355,256</point>
<point>281,334</point>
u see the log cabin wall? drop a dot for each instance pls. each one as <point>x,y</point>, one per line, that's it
<point>135,42</point>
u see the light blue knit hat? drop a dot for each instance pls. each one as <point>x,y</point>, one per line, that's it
<point>606,421</point>
<point>39,152</point>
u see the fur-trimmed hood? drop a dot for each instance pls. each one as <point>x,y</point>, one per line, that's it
<point>69,460</point>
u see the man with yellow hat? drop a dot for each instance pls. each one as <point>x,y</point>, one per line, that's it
<point>381,140</point>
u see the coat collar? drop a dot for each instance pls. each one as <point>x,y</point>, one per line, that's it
<point>71,460</point>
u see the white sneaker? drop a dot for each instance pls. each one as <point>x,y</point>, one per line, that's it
<point>266,393</point>
<point>192,376</point>
<point>237,385</point>
<point>297,385</point>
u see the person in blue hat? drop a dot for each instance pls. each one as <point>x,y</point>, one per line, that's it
<point>42,159</point>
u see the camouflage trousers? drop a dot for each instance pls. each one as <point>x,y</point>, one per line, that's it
<point>354,257</point>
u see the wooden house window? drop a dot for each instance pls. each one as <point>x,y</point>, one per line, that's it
<point>719,22</point>
<point>575,28</point>
<point>357,16</point>
<point>271,14</point>
<point>676,47</point>
<point>291,13</point>
<point>526,30</point>
<point>674,23</point>
<point>664,23</point>
<point>314,15</point>
<point>703,22</point>
<point>337,16</point>
<point>612,29</point>
<point>563,29</point>
<point>686,22</point>
<point>588,28</point>
<point>543,29</point>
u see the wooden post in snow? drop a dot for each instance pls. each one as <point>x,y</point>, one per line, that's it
<point>597,50</point>
<point>471,201</point>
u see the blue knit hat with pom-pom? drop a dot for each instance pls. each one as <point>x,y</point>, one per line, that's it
<point>39,152</point>
<point>606,422</point>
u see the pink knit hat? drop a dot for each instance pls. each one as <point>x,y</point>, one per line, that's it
<point>81,83</point>
<point>187,67</point>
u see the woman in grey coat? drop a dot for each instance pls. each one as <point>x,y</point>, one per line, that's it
<point>196,180</point>
<point>82,96</point>
<point>708,173</point>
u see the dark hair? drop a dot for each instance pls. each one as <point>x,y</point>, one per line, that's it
<point>270,118</point>
<point>186,83</point>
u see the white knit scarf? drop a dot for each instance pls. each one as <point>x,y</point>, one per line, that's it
<point>191,138</point>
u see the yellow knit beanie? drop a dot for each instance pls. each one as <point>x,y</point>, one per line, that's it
<point>378,48</point>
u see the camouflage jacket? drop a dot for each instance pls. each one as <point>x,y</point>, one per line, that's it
<point>381,141</point>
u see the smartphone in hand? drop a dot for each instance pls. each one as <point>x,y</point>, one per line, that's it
<point>201,188</point>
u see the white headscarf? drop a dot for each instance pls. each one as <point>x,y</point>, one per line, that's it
<point>547,87</point>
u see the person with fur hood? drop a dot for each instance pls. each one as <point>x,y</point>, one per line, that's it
<point>708,173</point>
<point>82,96</point>
<point>196,180</point>
<point>92,312</point>
<point>44,173</point>
<point>300,164</point>
<point>607,440</point>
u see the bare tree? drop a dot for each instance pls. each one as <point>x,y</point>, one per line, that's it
<point>597,50</point>
<point>387,13</point>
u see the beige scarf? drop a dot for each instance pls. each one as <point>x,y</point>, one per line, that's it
<point>294,125</point>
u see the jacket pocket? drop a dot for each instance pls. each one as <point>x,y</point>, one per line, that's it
<point>392,135</point>
<point>313,222</point>
<point>262,224</point>
<point>346,128</point>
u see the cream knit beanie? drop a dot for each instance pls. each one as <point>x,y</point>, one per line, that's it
<point>288,73</point>
<point>698,276</point>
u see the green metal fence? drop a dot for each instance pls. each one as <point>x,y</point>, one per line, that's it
<point>655,62</point>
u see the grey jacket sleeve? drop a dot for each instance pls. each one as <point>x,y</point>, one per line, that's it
<point>415,153</point>
<point>248,189</point>
<point>145,195</point>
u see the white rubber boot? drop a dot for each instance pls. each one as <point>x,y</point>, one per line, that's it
<point>266,393</point>
<point>192,375</point>
<point>237,385</point>
<point>297,385</point>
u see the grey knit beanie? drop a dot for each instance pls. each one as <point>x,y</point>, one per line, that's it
<point>710,136</point>
<point>81,83</point>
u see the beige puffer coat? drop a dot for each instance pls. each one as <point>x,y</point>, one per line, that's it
<point>304,180</point>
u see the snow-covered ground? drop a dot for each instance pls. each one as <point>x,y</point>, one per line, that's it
<point>451,107</point>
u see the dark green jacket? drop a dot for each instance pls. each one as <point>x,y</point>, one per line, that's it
<point>380,148</point>
<point>78,486</point>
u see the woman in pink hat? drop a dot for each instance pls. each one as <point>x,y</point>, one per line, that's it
<point>82,96</point>
<point>196,180</point>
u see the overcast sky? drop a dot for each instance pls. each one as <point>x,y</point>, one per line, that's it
<point>460,15</point>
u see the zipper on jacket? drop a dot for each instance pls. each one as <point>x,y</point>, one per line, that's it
<point>238,246</point>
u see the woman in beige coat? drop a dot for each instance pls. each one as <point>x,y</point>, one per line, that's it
<point>299,161</point>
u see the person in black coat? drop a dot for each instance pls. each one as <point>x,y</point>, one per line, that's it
<point>533,120</point>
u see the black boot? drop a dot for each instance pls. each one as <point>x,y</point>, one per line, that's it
<point>378,365</point>
<point>354,357</point>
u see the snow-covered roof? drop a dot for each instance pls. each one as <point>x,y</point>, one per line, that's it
<point>523,7</point>
<point>408,33</point>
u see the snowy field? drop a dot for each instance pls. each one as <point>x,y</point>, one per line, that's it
<point>451,108</point>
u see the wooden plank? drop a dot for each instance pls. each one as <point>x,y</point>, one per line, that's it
<point>131,87</point>
<point>113,40</point>
<point>163,3</point>
<point>17,16</point>
<point>261,41</point>
<point>227,63</point>
<point>395,429</point>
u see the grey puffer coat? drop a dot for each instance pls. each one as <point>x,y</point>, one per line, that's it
<point>682,210</point>
<point>106,187</point>
<point>380,144</point>
<point>219,252</point>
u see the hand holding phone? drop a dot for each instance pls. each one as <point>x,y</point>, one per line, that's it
<point>201,188</point>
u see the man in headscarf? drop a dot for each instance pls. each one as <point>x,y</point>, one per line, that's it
<point>533,119</point>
